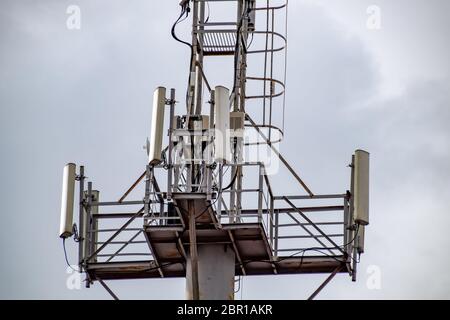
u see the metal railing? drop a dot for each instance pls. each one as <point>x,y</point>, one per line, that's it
<point>292,224</point>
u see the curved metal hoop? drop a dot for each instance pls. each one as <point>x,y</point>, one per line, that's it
<point>280,41</point>
<point>281,6</point>
<point>273,33</point>
<point>270,127</point>
<point>274,95</point>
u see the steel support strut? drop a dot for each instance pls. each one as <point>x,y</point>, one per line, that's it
<point>107,289</point>
<point>327,280</point>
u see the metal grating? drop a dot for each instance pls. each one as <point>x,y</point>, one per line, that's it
<point>217,42</point>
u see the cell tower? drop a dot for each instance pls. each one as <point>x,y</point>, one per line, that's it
<point>205,208</point>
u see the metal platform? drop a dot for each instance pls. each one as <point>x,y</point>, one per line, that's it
<point>169,244</point>
<point>260,238</point>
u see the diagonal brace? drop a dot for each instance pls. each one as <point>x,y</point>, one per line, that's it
<point>115,234</point>
<point>314,225</point>
<point>107,289</point>
<point>327,280</point>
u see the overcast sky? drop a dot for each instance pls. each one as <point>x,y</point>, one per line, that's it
<point>84,96</point>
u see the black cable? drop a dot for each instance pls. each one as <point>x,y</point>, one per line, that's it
<point>239,287</point>
<point>76,236</point>
<point>209,11</point>
<point>236,47</point>
<point>236,54</point>
<point>220,192</point>
<point>184,10</point>
<point>317,249</point>
<point>207,207</point>
<point>251,41</point>
<point>65,256</point>
<point>161,266</point>
<point>205,210</point>
<point>288,257</point>
<point>185,17</point>
<point>232,180</point>
<point>354,238</point>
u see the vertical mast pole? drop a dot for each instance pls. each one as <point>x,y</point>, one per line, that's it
<point>199,59</point>
<point>81,219</point>
<point>191,84</point>
<point>171,144</point>
<point>193,251</point>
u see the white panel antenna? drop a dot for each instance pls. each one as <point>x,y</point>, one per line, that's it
<point>361,187</point>
<point>360,240</point>
<point>157,127</point>
<point>67,198</point>
<point>222,123</point>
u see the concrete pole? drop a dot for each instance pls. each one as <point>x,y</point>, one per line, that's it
<point>193,273</point>
<point>216,263</point>
<point>210,267</point>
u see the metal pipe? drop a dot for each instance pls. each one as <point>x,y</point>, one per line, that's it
<point>88,224</point>
<point>199,59</point>
<point>309,249</point>
<point>308,224</point>
<point>113,230</point>
<point>323,196</point>
<point>114,203</point>
<point>219,195</point>
<point>123,242</point>
<point>272,89</point>
<point>171,144</point>
<point>203,75</point>
<point>148,180</point>
<point>309,237</point>
<point>132,187</point>
<point>81,219</point>
<point>260,194</point>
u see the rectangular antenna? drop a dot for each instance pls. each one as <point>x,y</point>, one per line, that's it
<point>222,123</point>
<point>360,240</point>
<point>156,133</point>
<point>67,198</point>
<point>361,187</point>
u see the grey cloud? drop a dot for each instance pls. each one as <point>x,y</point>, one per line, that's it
<point>52,79</point>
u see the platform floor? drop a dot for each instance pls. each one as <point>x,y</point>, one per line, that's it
<point>253,255</point>
<point>148,269</point>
